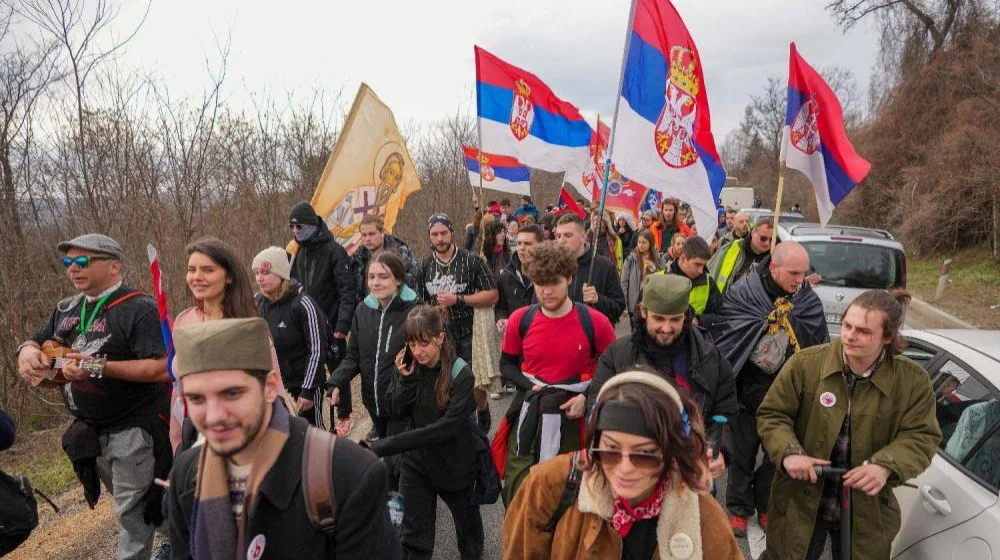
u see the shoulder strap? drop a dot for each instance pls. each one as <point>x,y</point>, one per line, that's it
<point>569,494</point>
<point>457,366</point>
<point>587,323</point>
<point>526,319</point>
<point>125,298</point>
<point>317,479</point>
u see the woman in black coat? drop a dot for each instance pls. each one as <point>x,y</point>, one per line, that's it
<point>433,393</point>
<point>376,338</point>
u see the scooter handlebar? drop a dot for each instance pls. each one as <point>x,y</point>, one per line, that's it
<point>826,470</point>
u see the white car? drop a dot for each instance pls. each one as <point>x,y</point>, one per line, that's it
<point>955,511</point>
<point>850,260</point>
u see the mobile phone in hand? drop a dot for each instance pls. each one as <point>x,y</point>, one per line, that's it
<point>407,357</point>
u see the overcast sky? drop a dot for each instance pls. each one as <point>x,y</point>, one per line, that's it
<point>417,55</point>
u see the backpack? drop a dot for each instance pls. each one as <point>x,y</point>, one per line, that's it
<point>570,492</point>
<point>582,311</point>
<point>19,514</point>
<point>317,479</point>
<point>486,488</point>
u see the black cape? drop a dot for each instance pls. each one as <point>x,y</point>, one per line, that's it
<point>744,318</point>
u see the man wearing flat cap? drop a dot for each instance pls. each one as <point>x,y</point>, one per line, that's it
<point>243,494</point>
<point>664,338</point>
<point>120,405</point>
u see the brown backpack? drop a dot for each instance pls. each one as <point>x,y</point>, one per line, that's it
<point>317,479</point>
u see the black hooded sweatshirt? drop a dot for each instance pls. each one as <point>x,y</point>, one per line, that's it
<point>322,266</point>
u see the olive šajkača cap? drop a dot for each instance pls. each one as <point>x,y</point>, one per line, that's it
<point>666,294</point>
<point>225,344</point>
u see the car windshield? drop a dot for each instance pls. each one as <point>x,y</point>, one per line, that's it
<point>854,265</point>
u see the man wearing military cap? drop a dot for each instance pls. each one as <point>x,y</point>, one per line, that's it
<point>120,402</point>
<point>248,482</point>
<point>664,339</point>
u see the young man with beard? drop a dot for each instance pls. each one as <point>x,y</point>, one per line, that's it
<point>856,403</point>
<point>457,280</point>
<point>516,290</point>
<point>605,294</point>
<point>120,432</point>
<point>706,299</point>
<point>663,337</point>
<point>323,268</point>
<point>735,260</point>
<point>548,353</point>
<point>766,318</point>
<point>374,239</point>
<point>243,493</point>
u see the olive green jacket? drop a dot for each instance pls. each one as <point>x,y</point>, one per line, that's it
<point>893,424</point>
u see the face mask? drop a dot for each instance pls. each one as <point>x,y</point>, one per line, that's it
<point>305,233</point>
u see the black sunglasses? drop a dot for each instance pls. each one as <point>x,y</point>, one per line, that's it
<point>82,262</point>
<point>640,460</point>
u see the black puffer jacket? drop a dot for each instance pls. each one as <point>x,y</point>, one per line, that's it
<point>376,338</point>
<point>611,299</point>
<point>437,443</point>
<point>323,267</point>
<point>516,291</point>
<point>713,386</point>
<point>301,336</point>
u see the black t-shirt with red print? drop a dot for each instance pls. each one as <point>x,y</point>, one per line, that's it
<point>126,327</point>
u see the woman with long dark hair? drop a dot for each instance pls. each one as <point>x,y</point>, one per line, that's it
<point>432,391</point>
<point>640,263</point>
<point>376,338</point>
<point>639,490</point>
<point>220,288</point>
<point>485,338</point>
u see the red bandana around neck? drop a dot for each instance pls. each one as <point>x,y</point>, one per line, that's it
<point>625,515</point>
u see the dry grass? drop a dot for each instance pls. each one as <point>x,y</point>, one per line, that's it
<point>973,290</point>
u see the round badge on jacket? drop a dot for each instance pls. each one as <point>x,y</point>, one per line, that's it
<point>681,546</point>
<point>828,399</point>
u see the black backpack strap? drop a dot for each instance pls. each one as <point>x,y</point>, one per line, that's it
<point>569,494</point>
<point>583,311</point>
<point>317,479</point>
<point>526,319</point>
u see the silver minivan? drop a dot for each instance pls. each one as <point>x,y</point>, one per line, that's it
<point>850,260</point>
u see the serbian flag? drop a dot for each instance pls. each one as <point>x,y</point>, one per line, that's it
<point>520,117</point>
<point>500,173</point>
<point>166,324</point>
<point>567,204</point>
<point>625,196</point>
<point>814,140</point>
<point>663,134</point>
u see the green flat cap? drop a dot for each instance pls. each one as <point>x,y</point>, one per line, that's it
<point>221,345</point>
<point>666,294</point>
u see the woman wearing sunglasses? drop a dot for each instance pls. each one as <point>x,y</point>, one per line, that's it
<point>638,492</point>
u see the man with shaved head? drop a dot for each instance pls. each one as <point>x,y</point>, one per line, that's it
<point>738,227</point>
<point>768,316</point>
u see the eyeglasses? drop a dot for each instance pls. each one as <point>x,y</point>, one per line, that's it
<point>643,461</point>
<point>83,261</point>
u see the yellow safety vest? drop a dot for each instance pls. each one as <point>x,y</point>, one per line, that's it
<point>729,263</point>
<point>699,297</point>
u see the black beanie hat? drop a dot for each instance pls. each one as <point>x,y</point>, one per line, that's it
<point>303,214</point>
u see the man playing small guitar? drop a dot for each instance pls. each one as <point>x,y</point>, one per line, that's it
<point>120,401</point>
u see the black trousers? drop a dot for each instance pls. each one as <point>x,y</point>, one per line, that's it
<point>420,516</point>
<point>334,355</point>
<point>314,414</point>
<point>748,489</point>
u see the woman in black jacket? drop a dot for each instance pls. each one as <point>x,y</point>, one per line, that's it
<point>433,393</point>
<point>376,337</point>
<point>299,330</point>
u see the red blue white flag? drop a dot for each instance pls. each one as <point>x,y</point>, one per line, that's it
<point>663,131</point>
<point>815,141</point>
<point>520,117</point>
<point>567,204</point>
<point>625,196</point>
<point>500,173</point>
<point>166,324</point>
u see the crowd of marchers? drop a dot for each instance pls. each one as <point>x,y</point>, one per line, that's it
<point>610,447</point>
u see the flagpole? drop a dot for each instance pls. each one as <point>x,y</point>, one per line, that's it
<point>611,139</point>
<point>777,206</point>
